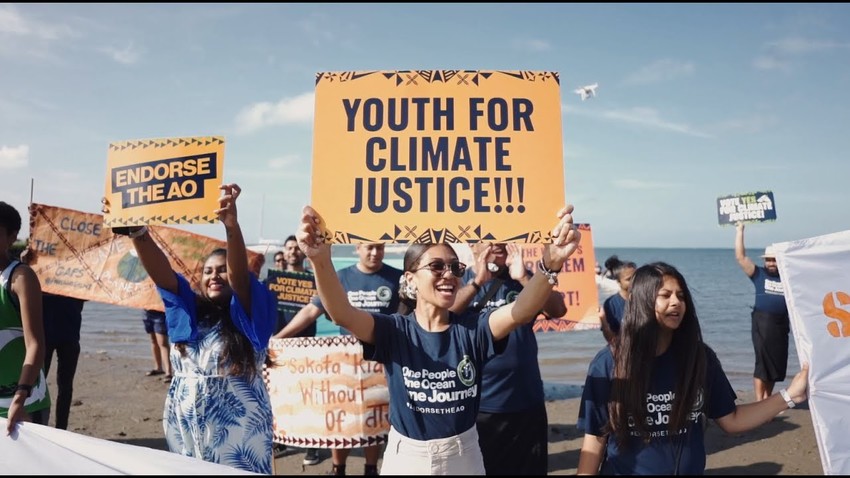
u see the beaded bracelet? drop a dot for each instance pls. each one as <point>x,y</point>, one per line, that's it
<point>551,275</point>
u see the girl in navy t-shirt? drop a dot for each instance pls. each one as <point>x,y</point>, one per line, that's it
<point>433,358</point>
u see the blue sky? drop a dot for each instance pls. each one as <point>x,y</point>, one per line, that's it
<point>695,101</point>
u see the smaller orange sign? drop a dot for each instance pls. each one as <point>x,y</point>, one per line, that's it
<point>163,181</point>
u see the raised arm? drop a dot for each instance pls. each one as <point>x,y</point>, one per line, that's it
<point>481,253</point>
<point>554,306</point>
<point>237,255</point>
<point>360,323</point>
<point>302,319</point>
<point>529,302</point>
<point>25,285</point>
<point>751,415</point>
<point>741,253</point>
<point>150,255</point>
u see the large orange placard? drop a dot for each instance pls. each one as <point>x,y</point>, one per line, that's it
<point>438,156</point>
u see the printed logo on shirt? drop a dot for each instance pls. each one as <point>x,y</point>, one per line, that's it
<point>385,294</point>
<point>466,371</point>
<point>512,295</point>
<point>838,311</point>
<point>658,409</point>
<point>773,287</point>
<point>439,391</point>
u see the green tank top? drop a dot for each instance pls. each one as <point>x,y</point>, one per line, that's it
<point>13,351</point>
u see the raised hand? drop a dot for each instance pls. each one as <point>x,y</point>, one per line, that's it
<point>565,240</point>
<point>516,267</point>
<point>227,205</point>
<point>483,255</point>
<point>309,234</point>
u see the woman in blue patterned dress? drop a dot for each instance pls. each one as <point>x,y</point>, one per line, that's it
<point>217,407</point>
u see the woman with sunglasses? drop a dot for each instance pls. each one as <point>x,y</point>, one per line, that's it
<point>433,358</point>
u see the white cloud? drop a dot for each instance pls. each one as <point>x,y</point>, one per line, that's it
<point>128,55</point>
<point>769,63</point>
<point>801,46</point>
<point>661,70</point>
<point>532,44</point>
<point>14,158</point>
<point>753,124</point>
<point>297,109</point>
<point>13,23</point>
<point>641,116</point>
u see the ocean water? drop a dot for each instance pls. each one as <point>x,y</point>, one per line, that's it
<point>722,293</point>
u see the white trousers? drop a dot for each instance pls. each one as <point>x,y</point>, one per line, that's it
<point>456,455</point>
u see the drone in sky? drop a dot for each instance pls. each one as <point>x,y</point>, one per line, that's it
<point>587,91</point>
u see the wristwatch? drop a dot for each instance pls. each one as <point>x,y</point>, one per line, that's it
<point>787,397</point>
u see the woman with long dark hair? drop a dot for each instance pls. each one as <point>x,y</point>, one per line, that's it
<point>646,398</point>
<point>433,358</point>
<point>217,408</point>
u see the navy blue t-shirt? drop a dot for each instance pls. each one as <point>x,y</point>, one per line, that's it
<point>658,457</point>
<point>434,378</point>
<point>770,293</point>
<point>63,317</point>
<point>511,381</point>
<point>614,307</point>
<point>376,292</point>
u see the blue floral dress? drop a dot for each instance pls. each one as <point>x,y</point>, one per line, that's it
<point>209,414</point>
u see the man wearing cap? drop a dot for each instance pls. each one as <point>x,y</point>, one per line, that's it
<point>770,324</point>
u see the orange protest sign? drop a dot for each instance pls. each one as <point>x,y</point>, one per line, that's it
<point>77,256</point>
<point>163,181</point>
<point>437,155</point>
<point>576,283</point>
<point>324,394</point>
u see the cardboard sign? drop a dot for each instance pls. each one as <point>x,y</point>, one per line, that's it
<point>77,256</point>
<point>163,181</point>
<point>746,207</point>
<point>433,156</point>
<point>324,395</point>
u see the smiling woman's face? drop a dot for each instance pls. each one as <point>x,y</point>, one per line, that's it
<point>215,281</point>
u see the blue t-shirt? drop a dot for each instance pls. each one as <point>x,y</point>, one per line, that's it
<point>658,457</point>
<point>511,381</point>
<point>614,307</point>
<point>63,318</point>
<point>770,294</point>
<point>181,313</point>
<point>434,378</point>
<point>376,292</point>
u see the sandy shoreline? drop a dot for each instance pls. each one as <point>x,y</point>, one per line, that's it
<point>115,401</point>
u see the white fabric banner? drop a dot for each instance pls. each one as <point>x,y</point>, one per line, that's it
<point>34,449</point>
<point>816,276</point>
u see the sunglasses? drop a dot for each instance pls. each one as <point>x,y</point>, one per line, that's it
<point>438,268</point>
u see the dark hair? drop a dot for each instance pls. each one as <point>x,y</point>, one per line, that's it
<point>237,351</point>
<point>622,265</point>
<point>291,237</point>
<point>412,257</point>
<point>10,218</point>
<point>635,352</point>
<point>611,263</point>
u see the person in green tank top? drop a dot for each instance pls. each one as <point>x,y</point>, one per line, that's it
<point>23,388</point>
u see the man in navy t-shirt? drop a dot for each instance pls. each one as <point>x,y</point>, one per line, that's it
<point>512,421</point>
<point>770,323</point>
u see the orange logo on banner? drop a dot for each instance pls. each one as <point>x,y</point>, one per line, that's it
<point>433,156</point>
<point>831,310</point>
<point>77,256</point>
<point>163,181</point>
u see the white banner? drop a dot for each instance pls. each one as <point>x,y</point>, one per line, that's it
<point>816,276</point>
<point>40,450</point>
